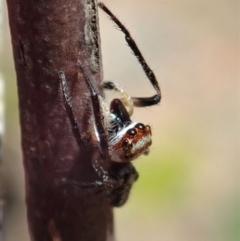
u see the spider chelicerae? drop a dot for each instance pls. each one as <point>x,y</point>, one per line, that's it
<point>119,139</point>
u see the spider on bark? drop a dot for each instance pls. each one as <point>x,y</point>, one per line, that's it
<point>119,139</point>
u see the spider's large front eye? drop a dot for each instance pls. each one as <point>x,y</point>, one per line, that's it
<point>140,126</point>
<point>132,132</point>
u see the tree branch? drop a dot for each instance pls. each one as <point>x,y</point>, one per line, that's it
<point>49,36</point>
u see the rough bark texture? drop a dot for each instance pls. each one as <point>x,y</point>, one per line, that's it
<point>49,36</point>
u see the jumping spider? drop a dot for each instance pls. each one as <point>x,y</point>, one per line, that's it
<point>119,139</point>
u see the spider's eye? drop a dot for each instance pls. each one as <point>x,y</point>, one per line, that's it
<point>132,132</point>
<point>140,126</point>
<point>125,142</point>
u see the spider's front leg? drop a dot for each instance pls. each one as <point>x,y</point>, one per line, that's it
<point>106,181</point>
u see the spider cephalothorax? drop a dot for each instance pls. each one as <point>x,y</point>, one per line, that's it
<point>131,142</point>
<point>119,140</point>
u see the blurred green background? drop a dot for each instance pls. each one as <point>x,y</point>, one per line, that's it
<point>189,183</point>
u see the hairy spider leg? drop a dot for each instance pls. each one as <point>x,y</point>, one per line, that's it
<point>127,100</point>
<point>102,161</point>
<point>137,101</point>
<point>97,113</point>
<point>68,106</point>
<point>107,182</point>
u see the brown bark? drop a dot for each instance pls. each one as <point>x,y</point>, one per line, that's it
<point>49,36</point>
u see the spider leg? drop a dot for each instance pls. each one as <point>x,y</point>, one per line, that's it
<point>103,140</point>
<point>101,162</point>
<point>140,102</point>
<point>98,185</point>
<point>107,183</point>
<point>127,100</point>
<point>68,106</point>
<point>118,191</point>
<point>90,185</point>
<point>146,101</point>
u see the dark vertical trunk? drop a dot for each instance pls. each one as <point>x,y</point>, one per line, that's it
<point>49,36</point>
